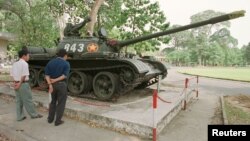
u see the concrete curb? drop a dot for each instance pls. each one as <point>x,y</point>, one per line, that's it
<point>224,115</point>
<point>14,135</point>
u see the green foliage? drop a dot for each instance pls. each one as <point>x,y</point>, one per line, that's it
<point>203,34</point>
<point>179,57</point>
<point>69,11</point>
<point>236,115</point>
<point>180,39</point>
<point>55,7</point>
<point>215,55</point>
<point>76,9</point>
<point>246,52</point>
<point>35,22</point>
<point>133,19</point>
<point>30,22</point>
<point>210,45</point>
<point>110,16</point>
<point>39,33</point>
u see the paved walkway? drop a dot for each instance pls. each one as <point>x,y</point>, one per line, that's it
<point>40,130</point>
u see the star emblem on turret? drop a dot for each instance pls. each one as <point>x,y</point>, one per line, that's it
<point>92,47</point>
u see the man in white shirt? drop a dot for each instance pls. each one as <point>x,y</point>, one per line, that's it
<point>20,74</point>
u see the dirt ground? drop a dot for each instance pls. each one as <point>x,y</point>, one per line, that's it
<point>240,101</point>
<point>217,118</point>
<point>4,138</point>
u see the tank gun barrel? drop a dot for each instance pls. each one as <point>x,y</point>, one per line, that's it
<point>213,20</point>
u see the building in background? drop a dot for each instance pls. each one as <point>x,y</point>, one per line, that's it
<point>5,38</point>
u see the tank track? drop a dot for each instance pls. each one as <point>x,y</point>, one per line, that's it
<point>111,81</point>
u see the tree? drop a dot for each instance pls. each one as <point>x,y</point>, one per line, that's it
<point>23,18</point>
<point>93,15</point>
<point>203,33</point>
<point>207,45</point>
<point>138,18</point>
<point>39,23</point>
<point>72,11</point>
<point>216,55</point>
<point>180,39</point>
<point>246,52</point>
<point>179,57</point>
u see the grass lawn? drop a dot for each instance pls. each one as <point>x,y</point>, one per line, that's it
<point>236,115</point>
<point>239,74</point>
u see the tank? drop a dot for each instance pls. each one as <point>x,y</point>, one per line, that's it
<point>99,67</point>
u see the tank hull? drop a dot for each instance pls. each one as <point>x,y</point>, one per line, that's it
<point>106,78</point>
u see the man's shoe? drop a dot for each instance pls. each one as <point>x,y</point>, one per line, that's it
<point>38,116</point>
<point>22,118</point>
<point>59,123</point>
<point>49,121</point>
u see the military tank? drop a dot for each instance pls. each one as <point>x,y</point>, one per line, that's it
<point>99,67</point>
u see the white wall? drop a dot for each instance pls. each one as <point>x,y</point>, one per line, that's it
<point>3,48</point>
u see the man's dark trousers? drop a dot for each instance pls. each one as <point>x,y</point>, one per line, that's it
<point>58,102</point>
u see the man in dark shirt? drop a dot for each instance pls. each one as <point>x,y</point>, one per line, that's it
<point>56,72</point>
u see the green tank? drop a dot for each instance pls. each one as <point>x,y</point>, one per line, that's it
<point>97,65</point>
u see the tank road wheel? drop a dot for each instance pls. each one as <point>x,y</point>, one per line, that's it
<point>41,79</point>
<point>77,82</point>
<point>127,75</point>
<point>32,77</point>
<point>105,85</point>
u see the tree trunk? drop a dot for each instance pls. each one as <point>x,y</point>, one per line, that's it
<point>61,23</point>
<point>199,60</point>
<point>93,15</point>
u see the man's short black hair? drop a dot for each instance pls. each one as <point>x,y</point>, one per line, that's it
<point>22,53</point>
<point>61,52</point>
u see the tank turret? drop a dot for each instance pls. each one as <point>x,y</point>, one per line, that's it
<point>99,68</point>
<point>73,30</point>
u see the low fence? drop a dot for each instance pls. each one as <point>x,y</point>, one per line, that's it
<point>189,85</point>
